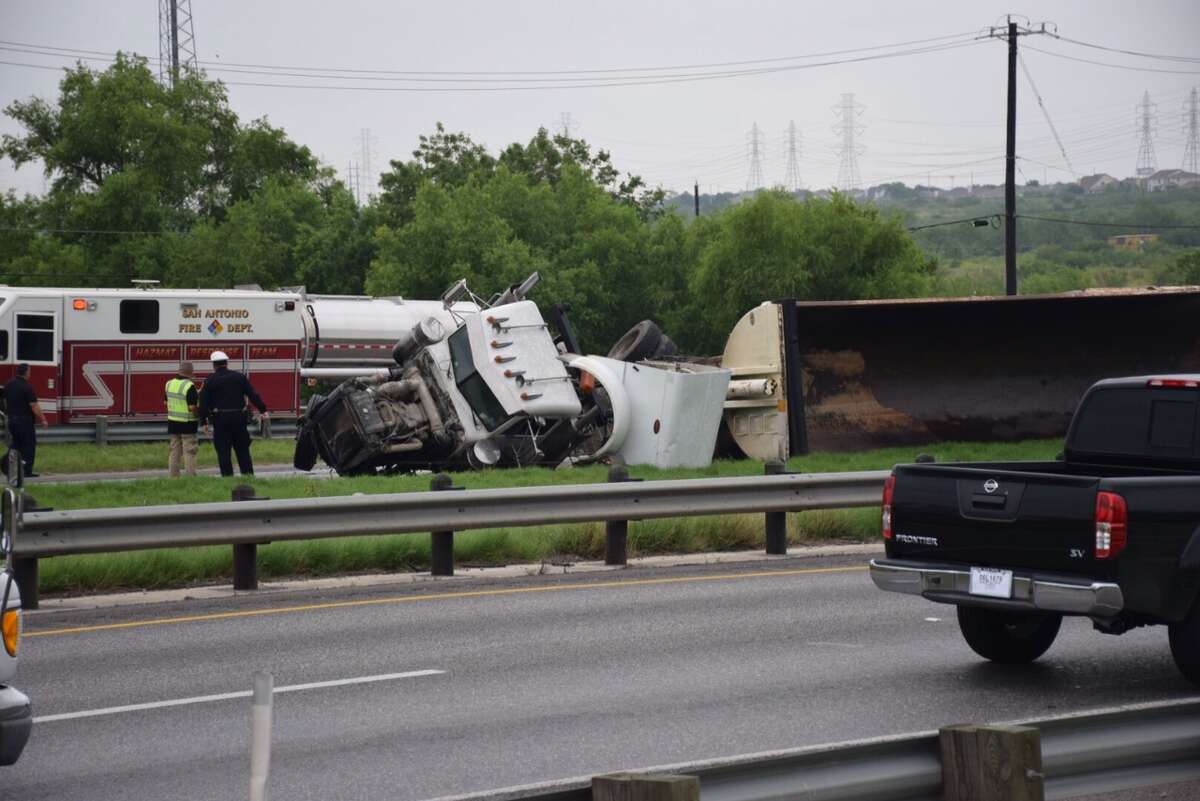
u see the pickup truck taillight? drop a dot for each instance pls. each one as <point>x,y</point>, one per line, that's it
<point>1111,524</point>
<point>885,516</point>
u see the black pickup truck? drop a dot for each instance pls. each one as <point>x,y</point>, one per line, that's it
<point>1110,531</point>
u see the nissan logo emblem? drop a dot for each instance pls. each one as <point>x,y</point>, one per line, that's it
<point>991,485</point>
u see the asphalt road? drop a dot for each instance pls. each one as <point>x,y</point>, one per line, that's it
<point>539,679</point>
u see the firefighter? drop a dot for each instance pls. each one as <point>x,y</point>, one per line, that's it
<point>223,401</point>
<point>183,402</point>
<point>23,408</point>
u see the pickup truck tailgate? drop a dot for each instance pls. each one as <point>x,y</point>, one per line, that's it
<point>981,516</point>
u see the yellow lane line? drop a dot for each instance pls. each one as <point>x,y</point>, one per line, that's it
<point>441,596</point>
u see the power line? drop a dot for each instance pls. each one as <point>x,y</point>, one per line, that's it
<point>524,84</point>
<point>987,219</point>
<point>1045,113</point>
<point>463,73</point>
<point>1099,224</point>
<point>1160,56</point>
<point>1110,64</point>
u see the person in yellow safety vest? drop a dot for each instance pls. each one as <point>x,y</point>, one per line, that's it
<point>182,420</point>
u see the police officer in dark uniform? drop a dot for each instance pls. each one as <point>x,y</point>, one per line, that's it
<point>223,401</point>
<point>23,408</point>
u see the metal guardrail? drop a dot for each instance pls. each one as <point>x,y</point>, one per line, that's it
<point>1143,745</point>
<point>248,522</point>
<point>54,533</point>
<point>106,432</point>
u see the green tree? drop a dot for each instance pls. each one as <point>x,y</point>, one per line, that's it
<point>128,156</point>
<point>773,246</point>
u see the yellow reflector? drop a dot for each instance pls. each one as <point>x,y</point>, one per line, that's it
<point>79,304</point>
<point>11,627</point>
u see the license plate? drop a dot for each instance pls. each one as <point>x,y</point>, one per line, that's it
<point>991,581</point>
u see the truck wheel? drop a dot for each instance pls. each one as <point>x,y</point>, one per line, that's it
<point>640,342</point>
<point>1011,638</point>
<point>1185,645</point>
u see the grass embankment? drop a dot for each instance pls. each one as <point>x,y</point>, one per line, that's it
<point>62,458</point>
<point>179,567</point>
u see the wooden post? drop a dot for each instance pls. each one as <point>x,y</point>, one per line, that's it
<point>776,522</point>
<point>441,542</point>
<point>661,787</point>
<point>245,554</point>
<point>616,532</point>
<point>991,763</point>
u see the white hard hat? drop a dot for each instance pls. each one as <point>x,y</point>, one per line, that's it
<point>218,356</point>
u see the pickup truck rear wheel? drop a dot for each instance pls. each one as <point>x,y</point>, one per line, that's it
<point>1011,638</point>
<point>1185,645</point>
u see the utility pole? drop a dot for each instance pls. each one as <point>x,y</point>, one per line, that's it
<point>1011,32</point>
<point>1191,129</point>
<point>696,196</point>
<point>176,39</point>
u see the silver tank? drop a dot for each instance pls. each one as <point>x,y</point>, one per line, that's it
<point>353,331</point>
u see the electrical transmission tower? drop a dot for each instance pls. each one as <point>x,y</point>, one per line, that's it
<point>791,177</point>
<point>567,124</point>
<point>352,181</point>
<point>1147,118</point>
<point>1191,130</point>
<point>366,177</point>
<point>754,139</point>
<point>848,128</point>
<point>176,39</point>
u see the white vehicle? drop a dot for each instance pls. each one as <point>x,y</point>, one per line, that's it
<point>496,388</point>
<point>16,713</point>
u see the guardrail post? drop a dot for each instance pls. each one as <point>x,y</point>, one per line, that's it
<point>441,542</point>
<point>264,427</point>
<point>776,522</point>
<point>660,787</point>
<point>245,554</point>
<point>101,430</point>
<point>616,532</point>
<point>991,763</point>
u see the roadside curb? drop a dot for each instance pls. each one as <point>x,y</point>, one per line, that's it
<point>49,606</point>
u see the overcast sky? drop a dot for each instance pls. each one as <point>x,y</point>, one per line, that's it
<point>934,116</point>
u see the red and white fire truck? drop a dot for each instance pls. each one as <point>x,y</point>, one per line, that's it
<point>109,352</point>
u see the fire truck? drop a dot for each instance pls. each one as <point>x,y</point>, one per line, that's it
<point>94,352</point>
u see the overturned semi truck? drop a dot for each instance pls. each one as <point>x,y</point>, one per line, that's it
<point>479,384</point>
<point>865,374</point>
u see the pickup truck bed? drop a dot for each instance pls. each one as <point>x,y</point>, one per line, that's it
<point>1111,532</point>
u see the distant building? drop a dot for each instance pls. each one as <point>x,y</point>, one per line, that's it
<point>1131,241</point>
<point>1097,183</point>
<point>1167,179</point>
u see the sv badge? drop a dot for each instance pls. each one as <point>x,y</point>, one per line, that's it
<point>1076,553</point>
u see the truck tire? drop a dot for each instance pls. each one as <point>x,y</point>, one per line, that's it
<point>1185,644</point>
<point>1010,638</point>
<point>639,343</point>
